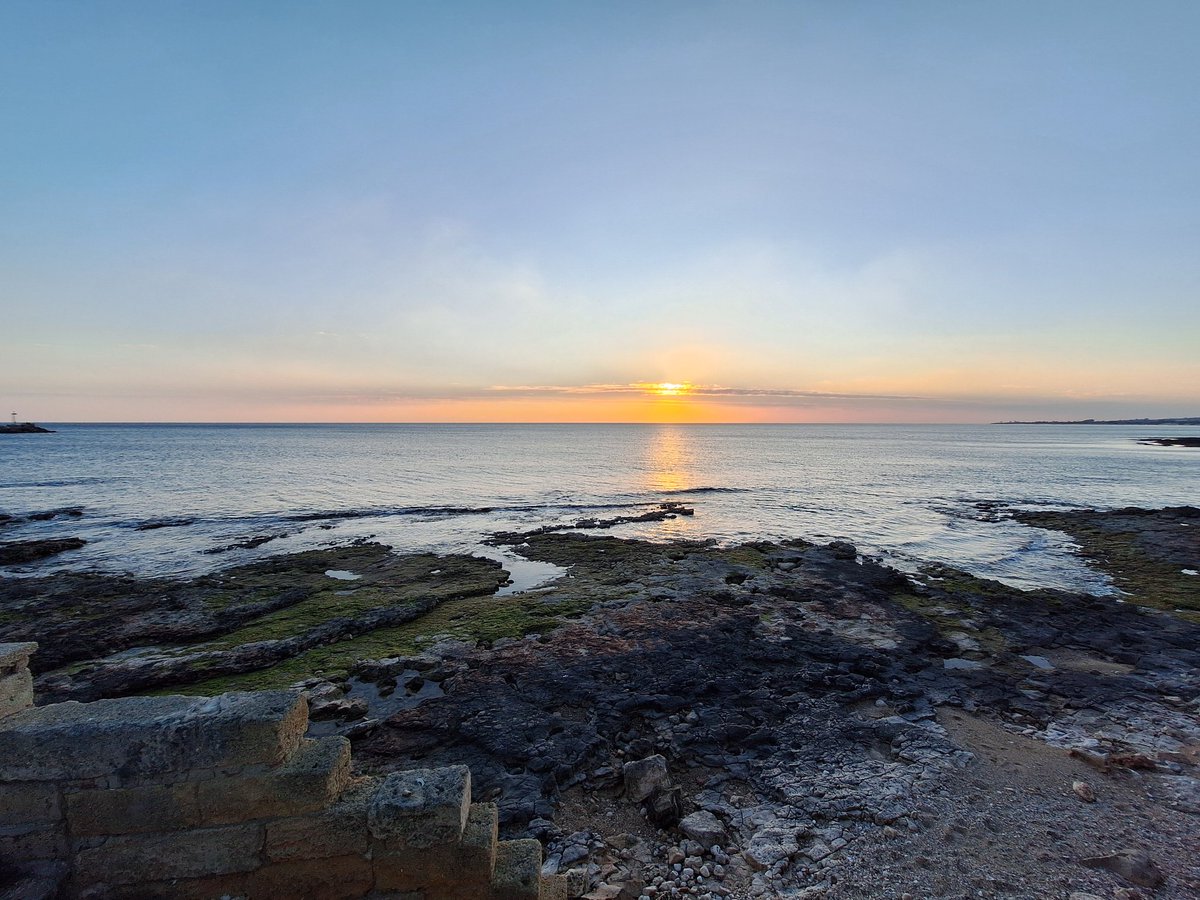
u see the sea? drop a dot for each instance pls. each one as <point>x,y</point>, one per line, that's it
<point>180,500</point>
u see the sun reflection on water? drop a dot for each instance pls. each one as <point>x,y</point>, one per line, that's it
<point>670,460</point>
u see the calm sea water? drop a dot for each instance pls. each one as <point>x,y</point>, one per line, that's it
<point>907,493</point>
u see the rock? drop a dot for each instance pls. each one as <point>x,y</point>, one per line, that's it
<point>1039,662</point>
<point>1183,793</point>
<point>1084,791</point>
<point>1095,760</point>
<point>17,552</point>
<point>842,550</point>
<point>644,777</point>
<point>573,854</point>
<point>328,701</point>
<point>961,664</point>
<point>769,846</point>
<point>361,729</point>
<point>703,827</point>
<point>665,807</point>
<point>1135,866</point>
<point>818,851</point>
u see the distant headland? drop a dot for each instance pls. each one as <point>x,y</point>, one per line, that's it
<point>1189,420</point>
<point>24,428</point>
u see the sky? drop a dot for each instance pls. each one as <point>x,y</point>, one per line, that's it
<point>785,212</point>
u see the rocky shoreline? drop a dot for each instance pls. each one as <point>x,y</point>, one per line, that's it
<point>767,720</point>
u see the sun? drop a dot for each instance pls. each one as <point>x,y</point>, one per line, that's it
<point>670,388</point>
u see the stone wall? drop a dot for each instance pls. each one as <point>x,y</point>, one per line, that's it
<point>192,797</point>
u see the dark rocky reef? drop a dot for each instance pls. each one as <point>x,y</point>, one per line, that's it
<point>1172,441</point>
<point>1184,420</point>
<point>799,696</point>
<point>669,510</point>
<point>24,428</point>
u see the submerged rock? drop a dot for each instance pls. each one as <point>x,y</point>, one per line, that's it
<point>15,553</point>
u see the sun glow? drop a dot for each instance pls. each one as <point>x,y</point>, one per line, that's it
<point>670,388</point>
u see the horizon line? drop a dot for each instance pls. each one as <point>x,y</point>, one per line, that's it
<point>544,423</point>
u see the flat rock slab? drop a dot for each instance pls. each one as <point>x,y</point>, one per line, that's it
<point>135,738</point>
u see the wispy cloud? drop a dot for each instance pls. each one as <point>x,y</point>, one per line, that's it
<point>690,390</point>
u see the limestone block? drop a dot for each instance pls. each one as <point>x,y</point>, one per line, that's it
<point>29,803</point>
<point>336,878</point>
<point>339,830</point>
<point>308,781</point>
<point>133,858</point>
<point>421,807</point>
<point>35,842</point>
<point>142,739</point>
<point>480,835</point>
<point>553,887</point>
<point>16,692</point>
<point>213,887</point>
<point>41,880</point>
<point>518,870</point>
<point>14,657</point>
<point>447,871</point>
<point>314,776</point>
<point>432,869</point>
<point>154,807</point>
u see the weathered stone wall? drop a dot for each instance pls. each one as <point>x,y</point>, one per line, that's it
<point>204,798</point>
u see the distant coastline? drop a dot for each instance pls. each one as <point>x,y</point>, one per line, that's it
<point>1187,420</point>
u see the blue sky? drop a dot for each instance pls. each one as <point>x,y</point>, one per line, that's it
<point>401,211</point>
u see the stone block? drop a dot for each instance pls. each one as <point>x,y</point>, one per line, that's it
<point>143,739</point>
<point>133,858</point>
<point>14,657</point>
<point>153,807</point>
<point>479,837</point>
<point>314,776</point>
<point>41,880</point>
<point>337,831</point>
<point>308,781</point>
<point>518,873</point>
<point>213,887</point>
<point>553,887</point>
<point>29,803</point>
<point>421,807</point>
<point>332,878</point>
<point>16,692</point>
<point>445,871</point>
<point>431,869</point>
<point>33,843</point>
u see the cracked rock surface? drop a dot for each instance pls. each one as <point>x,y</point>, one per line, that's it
<point>853,732</point>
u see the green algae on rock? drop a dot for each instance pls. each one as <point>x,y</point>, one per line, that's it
<point>1145,551</point>
<point>113,635</point>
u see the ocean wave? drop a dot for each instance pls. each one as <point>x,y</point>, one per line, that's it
<point>705,490</point>
<point>438,511</point>
<point>57,482</point>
